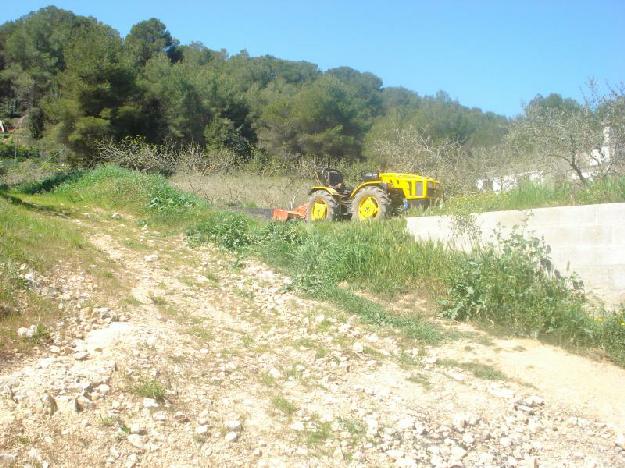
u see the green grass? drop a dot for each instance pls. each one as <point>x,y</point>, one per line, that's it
<point>34,239</point>
<point>268,380</point>
<point>479,370</point>
<point>420,379</point>
<point>340,263</point>
<point>147,196</point>
<point>529,195</point>
<point>319,434</point>
<point>284,405</point>
<point>377,257</point>
<point>150,388</point>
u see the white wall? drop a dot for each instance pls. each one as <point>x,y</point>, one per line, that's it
<point>589,240</point>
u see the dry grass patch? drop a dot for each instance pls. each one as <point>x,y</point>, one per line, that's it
<point>245,190</point>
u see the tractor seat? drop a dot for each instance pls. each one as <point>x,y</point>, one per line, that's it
<point>332,177</point>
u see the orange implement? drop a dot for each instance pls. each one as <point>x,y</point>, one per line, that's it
<point>278,214</point>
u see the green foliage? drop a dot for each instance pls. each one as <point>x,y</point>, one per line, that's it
<point>374,256</point>
<point>80,82</point>
<point>232,231</point>
<point>284,405</point>
<point>36,122</point>
<point>49,183</point>
<point>479,370</point>
<point>612,335</point>
<point>29,241</point>
<point>150,388</point>
<point>142,194</point>
<point>12,151</point>
<point>512,284</point>
<point>528,195</point>
<point>147,39</point>
<point>327,117</point>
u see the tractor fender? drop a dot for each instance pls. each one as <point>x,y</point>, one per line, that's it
<point>370,183</point>
<point>330,190</point>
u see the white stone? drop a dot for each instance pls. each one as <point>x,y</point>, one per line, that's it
<point>459,422</point>
<point>150,403</point>
<point>55,349</point>
<point>372,425</point>
<point>395,454</point>
<point>160,416</point>
<point>406,462</point>
<point>231,436</point>
<point>201,430</point>
<point>620,440</point>
<point>7,459</point>
<point>485,458</point>
<point>458,453</point>
<point>533,401</point>
<point>131,461</point>
<point>103,389</point>
<point>405,423</point>
<point>24,332</point>
<point>136,441</point>
<point>81,355</point>
<point>500,392</point>
<point>275,373</point>
<point>297,426</point>
<point>468,439</point>
<point>233,425</point>
<point>151,258</point>
<point>358,347</point>
<point>137,428</point>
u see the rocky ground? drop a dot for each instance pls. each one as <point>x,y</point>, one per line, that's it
<point>203,360</point>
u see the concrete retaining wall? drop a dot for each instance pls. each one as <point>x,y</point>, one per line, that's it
<point>589,240</point>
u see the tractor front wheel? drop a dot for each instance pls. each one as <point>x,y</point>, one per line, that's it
<point>370,203</point>
<point>322,206</point>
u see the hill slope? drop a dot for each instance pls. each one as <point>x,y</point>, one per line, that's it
<point>192,356</point>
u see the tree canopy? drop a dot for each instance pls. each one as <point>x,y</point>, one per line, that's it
<point>78,81</point>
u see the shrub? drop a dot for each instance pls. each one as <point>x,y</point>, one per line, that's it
<point>233,231</point>
<point>612,336</point>
<point>115,187</point>
<point>17,151</point>
<point>513,285</point>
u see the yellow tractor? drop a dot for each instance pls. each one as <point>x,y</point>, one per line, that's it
<point>378,195</point>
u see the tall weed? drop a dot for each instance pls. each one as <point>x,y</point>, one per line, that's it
<point>512,284</point>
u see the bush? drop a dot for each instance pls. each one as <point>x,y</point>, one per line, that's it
<point>137,154</point>
<point>17,151</point>
<point>513,285</point>
<point>49,183</point>
<point>612,336</point>
<point>232,231</point>
<point>143,194</point>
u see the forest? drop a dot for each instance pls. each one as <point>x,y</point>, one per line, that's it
<point>77,80</point>
<point>69,83</point>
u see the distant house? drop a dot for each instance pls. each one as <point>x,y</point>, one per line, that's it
<point>591,164</point>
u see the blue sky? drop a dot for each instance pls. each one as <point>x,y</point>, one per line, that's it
<point>490,54</point>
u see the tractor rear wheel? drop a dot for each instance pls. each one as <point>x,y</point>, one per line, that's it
<point>322,207</point>
<point>370,203</point>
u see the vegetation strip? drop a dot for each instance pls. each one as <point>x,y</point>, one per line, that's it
<point>509,286</point>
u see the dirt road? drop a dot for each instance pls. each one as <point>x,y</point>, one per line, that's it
<point>203,361</point>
